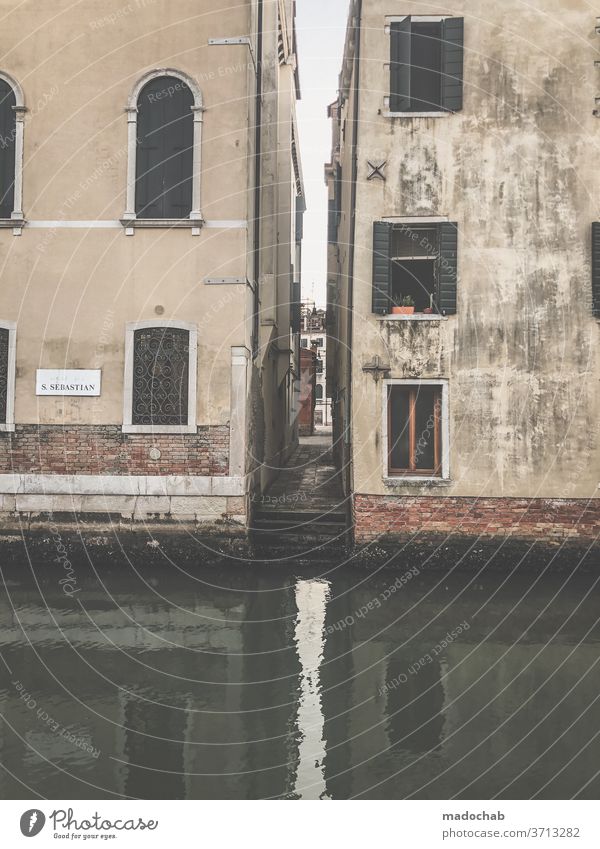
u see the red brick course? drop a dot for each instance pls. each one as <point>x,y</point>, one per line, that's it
<point>376,517</point>
<point>105,450</point>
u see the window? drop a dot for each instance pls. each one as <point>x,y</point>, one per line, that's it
<point>415,265</point>
<point>319,392</point>
<point>164,163</point>
<point>160,378</point>
<point>319,365</point>
<point>596,269</point>
<point>304,342</point>
<point>12,113</point>
<point>7,375</point>
<point>319,342</point>
<point>7,148</point>
<point>426,65</point>
<point>416,438</point>
<point>165,145</point>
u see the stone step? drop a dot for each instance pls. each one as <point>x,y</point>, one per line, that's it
<point>300,517</point>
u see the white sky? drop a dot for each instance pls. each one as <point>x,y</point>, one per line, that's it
<point>321,28</point>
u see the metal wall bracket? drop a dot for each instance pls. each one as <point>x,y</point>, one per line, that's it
<point>234,40</point>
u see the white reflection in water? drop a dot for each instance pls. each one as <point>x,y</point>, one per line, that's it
<point>311,598</point>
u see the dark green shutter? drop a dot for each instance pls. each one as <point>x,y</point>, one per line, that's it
<point>7,149</point>
<point>452,64</point>
<point>400,35</point>
<point>382,267</point>
<point>165,149</point>
<point>596,268</point>
<point>447,268</point>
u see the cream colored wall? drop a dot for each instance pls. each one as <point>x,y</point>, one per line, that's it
<point>72,290</point>
<point>516,170</point>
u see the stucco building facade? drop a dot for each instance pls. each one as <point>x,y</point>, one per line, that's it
<point>149,260</point>
<point>464,264</point>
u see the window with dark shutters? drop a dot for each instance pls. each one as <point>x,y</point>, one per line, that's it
<point>426,65</point>
<point>4,339</point>
<point>415,265</point>
<point>165,150</point>
<point>161,362</point>
<point>7,149</point>
<point>596,269</point>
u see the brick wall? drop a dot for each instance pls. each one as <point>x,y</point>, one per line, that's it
<point>105,450</point>
<point>542,519</point>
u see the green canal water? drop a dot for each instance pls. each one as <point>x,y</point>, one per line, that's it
<point>281,682</point>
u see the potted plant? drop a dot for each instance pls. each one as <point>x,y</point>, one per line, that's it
<point>406,306</point>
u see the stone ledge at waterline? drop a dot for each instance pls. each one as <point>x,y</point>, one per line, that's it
<point>113,541</point>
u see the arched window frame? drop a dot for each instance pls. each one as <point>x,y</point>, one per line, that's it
<point>16,219</point>
<point>8,425</point>
<point>130,220</point>
<point>192,424</point>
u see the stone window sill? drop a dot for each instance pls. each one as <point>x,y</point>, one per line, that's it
<point>416,480</point>
<point>14,224</point>
<point>132,224</point>
<point>388,114</point>
<point>417,316</point>
<point>159,429</point>
<point>6,428</point>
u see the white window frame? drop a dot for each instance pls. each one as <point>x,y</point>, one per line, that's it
<point>445,432</point>
<point>8,425</point>
<point>391,19</point>
<point>130,220</point>
<point>16,220</point>
<point>192,425</point>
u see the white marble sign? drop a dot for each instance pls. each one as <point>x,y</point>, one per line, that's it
<point>68,381</point>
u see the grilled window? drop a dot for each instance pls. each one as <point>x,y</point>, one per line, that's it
<point>8,130</point>
<point>3,374</point>
<point>165,150</point>
<point>161,368</point>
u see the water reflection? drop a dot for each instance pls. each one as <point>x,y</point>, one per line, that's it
<point>247,683</point>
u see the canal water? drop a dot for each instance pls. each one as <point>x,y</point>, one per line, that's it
<point>331,683</point>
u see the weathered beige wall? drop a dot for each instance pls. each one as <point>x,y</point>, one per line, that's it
<point>516,169</point>
<point>72,290</point>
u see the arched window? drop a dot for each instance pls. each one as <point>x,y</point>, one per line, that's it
<point>319,392</point>
<point>8,124</point>
<point>165,150</point>
<point>12,113</point>
<point>165,125</point>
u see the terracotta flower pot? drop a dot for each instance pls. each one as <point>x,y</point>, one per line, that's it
<point>403,310</point>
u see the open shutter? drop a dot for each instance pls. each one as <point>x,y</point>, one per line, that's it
<point>596,269</point>
<point>382,267</point>
<point>400,35</point>
<point>452,63</point>
<point>447,268</point>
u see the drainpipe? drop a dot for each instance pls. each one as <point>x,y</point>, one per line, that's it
<point>257,174</point>
<point>354,177</point>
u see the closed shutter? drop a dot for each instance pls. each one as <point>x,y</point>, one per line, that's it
<point>447,270</point>
<point>332,222</point>
<point>164,165</point>
<point>400,58</point>
<point>596,269</point>
<point>296,310</point>
<point>452,64</point>
<point>7,149</point>
<point>382,267</point>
